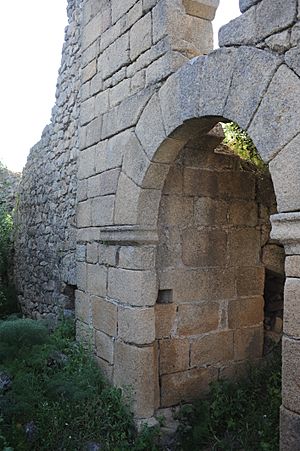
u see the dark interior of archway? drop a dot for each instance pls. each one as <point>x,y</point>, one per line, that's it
<point>221,277</point>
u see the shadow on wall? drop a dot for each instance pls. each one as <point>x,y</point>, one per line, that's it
<point>218,269</point>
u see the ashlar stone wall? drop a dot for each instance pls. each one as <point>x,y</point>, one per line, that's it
<point>129,49</point>
<point>213,247</point>
<point>45,247</point>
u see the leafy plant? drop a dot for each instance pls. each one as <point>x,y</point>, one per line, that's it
<point>242,145</point>
<point>242,415</point>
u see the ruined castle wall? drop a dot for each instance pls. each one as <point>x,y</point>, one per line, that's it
<point>46,239</point>
<point>129,49</point>
<point>9,184</point>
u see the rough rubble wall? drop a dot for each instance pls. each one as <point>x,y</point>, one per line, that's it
<point>9,184</point>
<point>46,242</point>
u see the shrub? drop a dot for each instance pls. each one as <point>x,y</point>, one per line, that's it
<point>19,335</point>
<point>242,415</point>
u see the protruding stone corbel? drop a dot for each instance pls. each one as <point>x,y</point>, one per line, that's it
<point>286,229</point>
<point>128,234</point>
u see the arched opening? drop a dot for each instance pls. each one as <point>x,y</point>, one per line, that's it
<point>220,276</point>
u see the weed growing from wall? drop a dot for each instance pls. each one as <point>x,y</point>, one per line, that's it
<point>242,145</point>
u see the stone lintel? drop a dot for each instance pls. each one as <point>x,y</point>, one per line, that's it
<point>286,229</point>
<point>128,234</point>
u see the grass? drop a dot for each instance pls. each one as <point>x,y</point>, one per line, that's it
<point>58,399</point>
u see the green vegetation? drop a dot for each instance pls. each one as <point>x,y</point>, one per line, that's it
<point>242,145</point>
<point>237,416</point>
<point>53,397</point>
<point>8,303</point>
<point>57,398</point>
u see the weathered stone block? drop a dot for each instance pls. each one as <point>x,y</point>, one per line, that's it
<point>239,185</point>
<point>212,102</point>
<point>186,386</point>
<point>243,213</point>
<point>120,8</point>
<point>201,248</point>
<point>199,284</point>
<point>211,349</point>
<point>106,368</point>
<point>273,258</point>
<point>248,343</point>
<point>101,100</point>
<point>105,315</point>
<point>244,247</point>
<point>246,4</point>
<point>87,111</point>
<point>135,368</point>
<point>86,163</point>
<point>136,325</point>
<point>208,212</point>
<point>173,355</point>
<point>137,166</point>
<point>140,36</point>
<point>176,210</point>
<point>291,374</point>
<point>195,319</point>
<point>92,253</point>
<point>84,214</point>
<point>279,42</point>
<point>285,170</point>
<point>199,182</point>
<point>126,114</point>
<point>292,307</point>
<point>137,288</point>
<point>115,56</point>
<point>92,31</point>
<point>102,210</point>
<point>96,280</point>
<point>93,132</point>
<point>81,275</point>
<point>82,306</point>
<point>137,257</point>
<point>104,183</point>
<point>245,312</point>
<point>108,154</point>
<point>104,346</point>
<point>289,430</point>
<point>89,71</point>
<point>265,18</point>
<point>252,74</point>
<point>292,266</point>
<point>108,255</point>
<point>150,130</point>
<point>250,281</point>
<point>165,316</point>
<point>277,112</point>
<point>135,205</point>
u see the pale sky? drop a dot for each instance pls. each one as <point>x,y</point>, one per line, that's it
<point>31,38</point>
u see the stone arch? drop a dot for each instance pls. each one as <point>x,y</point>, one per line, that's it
<point>246,85</point>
